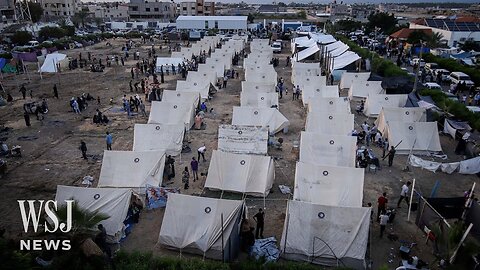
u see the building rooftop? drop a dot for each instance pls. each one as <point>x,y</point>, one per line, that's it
<point>461,24</point>
<point>404,33</point>
<point>211,18</point>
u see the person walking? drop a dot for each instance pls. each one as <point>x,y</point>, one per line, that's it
<point>201,152</point>
<point>225,80</point>
<point>260,219</point>
<point>194,165</point>
<point>83,148</point>
<point>383,222</point>
<point>109,140</point>
<point>142,108</point>
<point>404,194</point>
<point>385,147</point>
<point>23,90</point>
<point>55,91</point>
<point>26,116</point>
<point>185,178</point>
<point>391,155</point>
<point>382,204</point>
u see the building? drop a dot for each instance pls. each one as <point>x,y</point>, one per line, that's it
<point>454,31</point>
<point>7,11</point>
<point>109,11</point>
<point>236,23</point>
<point>403,34</point>
<point>337,10</point>
<point>60,8</point>
<point>271,9</point>
<point>196,8</point>
<point>152,10</point>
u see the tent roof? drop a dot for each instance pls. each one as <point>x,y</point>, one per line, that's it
<point>329,123</point>
<point>254,116</point>
<point>243,173</point>
<point>243,139</point>
<point>171,113</point>
<point>399,115</point>
<point>344,60</point>
<point>181,96</point>
<point>334,150</point>
<point>131,169</point>
<point>113,202</point>
<point>307,52</point>
<point>362,89</point>
<point>328,185</point>
<point>264,100</point>
<point>374,103</point>
<point>51,61</point>
<point>258,87</point>
<point>203,231</point>
<point>158,137</point>
<point>330,105</point>
<point>349,77</point>
<point>418,137</point>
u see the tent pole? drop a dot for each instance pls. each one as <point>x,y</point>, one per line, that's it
<point>468,202</point>
<point>410,201</point>
<point>286,230</point>
<point>38,65</point>
<point>452,259</point>
<point>223,248</point>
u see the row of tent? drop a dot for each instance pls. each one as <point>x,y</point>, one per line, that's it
<point>325,222</point>
<point>404,127</point>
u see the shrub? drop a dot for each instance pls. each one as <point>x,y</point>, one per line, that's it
<point>6,55</point>
<point>49,32</point>
<point>21,37</point>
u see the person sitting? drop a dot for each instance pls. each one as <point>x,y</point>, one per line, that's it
<point>105,119</point>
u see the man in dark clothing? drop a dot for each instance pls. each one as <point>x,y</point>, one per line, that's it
<point>131,86</point>
<point>391,155</point>
<point>162,78</point>
<point>55,91</point>
<point>194,165</point>
<point>23,90</point>
<point>132,73</point>
<point>259,218</point>
<point>83,148</point>
<point>27,119</point>
<point>382,204</point>
<point>101,240</point>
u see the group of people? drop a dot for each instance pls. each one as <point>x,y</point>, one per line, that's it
<point>194,164</point>
<point>81,103</point>
<point>135,103</point>
<point>384,215</point>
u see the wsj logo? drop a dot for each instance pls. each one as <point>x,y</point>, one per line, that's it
<point>33,215</point>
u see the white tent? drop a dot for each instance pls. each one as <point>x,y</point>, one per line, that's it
<point>410,114</point>
<point>333,150</point>
<point>193,224</point>
<point>374,103</point>
<point>201,87</point>
<point>264,69</point>
<point>218,70</point>
<point>50,65</point>
<point>300,71</point>
<point>113,202</point>
<point>419,138</point>
<point>306,52</point>
<point>220,64</point>
<point>319,91</point>
<point>344,60</point>
<point>258,55</point>
<point>204,77</point>
<point>243,173</point>
<point>182,97</point>
<point>171,113</point>
<point>313,232</point>
<point>132,169</point>
<point>167,63</point>
<point>329,123</point>
<point>265,117</point>
<point>349,77</point>
<point>260,77</point>
<point>322,38</point>
<point>262,100</point>
<point>258,87</point>
<point>255,61</point>
<point>328,185</point>
<point>329,105</point>
<point>362,89</point>
<point>243,139</point>
<point>159,137</point>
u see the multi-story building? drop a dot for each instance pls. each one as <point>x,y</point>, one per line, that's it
<point>110,11</point>
<point>338,10</point>
<point>152,10</point>
<point>196,8</point>
<point>7,11</point>
<point>60,8</point>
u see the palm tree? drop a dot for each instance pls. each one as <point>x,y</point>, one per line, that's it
<point>435,40</point>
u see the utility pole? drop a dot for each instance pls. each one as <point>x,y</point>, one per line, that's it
<point>22,13</point>
<point>418,68</point>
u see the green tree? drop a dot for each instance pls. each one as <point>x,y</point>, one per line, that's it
<point>417,36</point>
<point>470,45</point>
<point>386,22</point>
<point>281,4</point>
<point>250,18</point>
<point>21,37</point>
<point>435,40</point>
<point>48,32</point>
<point>36,11</point>
<point>347,25</point>
<point>82,16</point>
<point>302,14</point>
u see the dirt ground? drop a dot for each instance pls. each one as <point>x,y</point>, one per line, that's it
<point>51,156</point>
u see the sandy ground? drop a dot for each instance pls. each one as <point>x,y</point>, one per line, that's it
<point>51,157</point>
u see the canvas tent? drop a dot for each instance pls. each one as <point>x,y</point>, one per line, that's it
<point>374,103</point>
<point>113,202</point>
<point>171,113</point>
<point>419,138</point>
<point>181,96</point>
<point>133,169</point>
<point>328,185</point>
<point>349,77</point>
<point>52,61</point>
<point>329,105</point>
<point>262,100</point>
<point>155,137</point>
<point>411,114</point>
<point>322,38</point>
<point>243,139</point>
<point>219,64</point>
<point>202,78</point>
<point>200,86</point>
<point>344,60</point>
<point>362,89</point>
<point>166,63</point>
<point>329,123</point>
<point>193,224</point>
<point>312,232</point>
<point>260,77</point>
<point>320,91</point>
<point>255,87</point>
<point>265,117</point>
<point>243,173</point>
<point>218,70</point>
<point>333,150</point>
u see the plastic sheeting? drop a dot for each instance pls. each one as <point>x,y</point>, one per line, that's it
<point>149,137</point>
<point>328,185</point>
<point>420,138</point>
<point>312,232</point>
<point>329,123</point>
<point>450,127</point>
<point>360,89</point>
<point>131,169</point>
<point>247,174</point>
<point>243,139</point>
<point>375,103</point>
<point>265,249</point>
<point>265,117</point>
<point>349,77</point>
<point>332,150</point>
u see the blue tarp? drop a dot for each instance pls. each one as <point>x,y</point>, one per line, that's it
<point>462,55</point>
<point>3,62</point>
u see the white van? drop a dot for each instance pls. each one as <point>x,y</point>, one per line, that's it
<point>277,47</point>
<point>460,77</point>
<point>433,86</point>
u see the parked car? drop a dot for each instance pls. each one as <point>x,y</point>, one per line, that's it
<point>416,61</point>
<point>460,77</point>
<point>429,67</point>
<point>433,86</point>
<point>443,73</point>
<point>277,47</point>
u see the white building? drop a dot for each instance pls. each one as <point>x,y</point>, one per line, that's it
<point>454,32</point>
<point>110,11</point>
<point>212,22</point>
<point>60,8</point>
